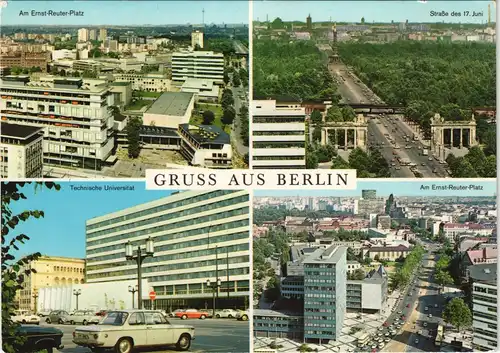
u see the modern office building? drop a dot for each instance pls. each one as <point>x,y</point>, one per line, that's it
<point>197,39</point>
<point>170,110</point>
<point>83,35</point>
<point>278,136</point>
<point>198,236</point>
<point>198,64</point>
<point>484,307</point>
<point>51,271</point>
<point>21,151</point>
<point>325,277</point>
<point>206,146</point>
<point>369,294</point>
<point>73,113</point>
<point>278,324</point>
<point>150,82</point>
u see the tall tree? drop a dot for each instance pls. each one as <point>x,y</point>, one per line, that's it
<point>15,271</point>
<point>133,137</point>
<point>208,117</point>
<point>458,314</point>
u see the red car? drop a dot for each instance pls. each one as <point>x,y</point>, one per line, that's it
<point>192,314</point>
<point>386,324</point>
<point>101,313</point>
<point>407,305</point>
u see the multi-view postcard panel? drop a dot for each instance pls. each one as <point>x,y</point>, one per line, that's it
<point>162,85</point>
<point>399,93</point>
<point>379,268</point>
<point>133,268</point>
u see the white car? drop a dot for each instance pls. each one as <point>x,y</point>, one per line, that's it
<point>25,317</point>
<point>125,329</point>
<point>242,315</point>
<point>44,313</point>
<point>83,317</point>
<point>229,313</point>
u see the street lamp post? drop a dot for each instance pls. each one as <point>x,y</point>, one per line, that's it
<point>132,289</point>
<point>77,293</point>
<point>214,287</point>
<point>35,297</point>
<point>139,258</point>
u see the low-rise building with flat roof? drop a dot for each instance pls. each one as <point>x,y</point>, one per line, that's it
<point>206,146</point>
<point>170,110</point>
<point>278,324</point>
<point>204,90</point>
<point>21,151</point>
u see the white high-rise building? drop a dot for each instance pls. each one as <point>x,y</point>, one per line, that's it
<point>92,34</point>
<point>197,39</point>
<point>74,115</point>
<point>278,135</point>
<point>197,235</point>
<point>103,34</point>
<point>198,64</point>
<point>83,35</point>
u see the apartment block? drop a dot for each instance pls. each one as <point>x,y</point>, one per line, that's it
<point>197,39</point>
<point>73,114</point>
<point>198,236</point>
<point>278,136</point>
<point>484,307</point>
<point>198,64</point>
<point>83,35</point>
<point>324,294</point>
<point>21,151</point>
<point>103,34</point>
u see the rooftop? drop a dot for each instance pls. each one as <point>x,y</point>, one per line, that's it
<point>332,254</point>
<point>206,133</point>
<point>171,103</point>
<point>483,272</point>
<point>18,131</point>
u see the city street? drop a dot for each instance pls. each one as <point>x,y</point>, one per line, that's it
<point>236,127</point>
<point>211,335</point>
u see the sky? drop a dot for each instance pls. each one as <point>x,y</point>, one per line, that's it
<point>378,11</point>
<point>398,188</point>
<point>124,12</point>
<point>62,231</point>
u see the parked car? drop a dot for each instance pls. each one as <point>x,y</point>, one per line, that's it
<point>83,317</point>
<point>192,314</point>
<point>39,338</point>
<point>229,313</point>
<point>44,313</point>
<point>25,317</point>
<point>242,315</point>
<point>172,314</point>
<point>127,329</point>
<point>57,316</point>
<point>101,313</point>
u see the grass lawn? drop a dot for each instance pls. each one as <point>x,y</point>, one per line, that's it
<point>147,94</point>
<point>217,109</point>
<point>138,104</point>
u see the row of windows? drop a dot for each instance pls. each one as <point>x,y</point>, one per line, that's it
<point>171,226</point>
<point>485,316</point>
<point>183,243</point>
<point>172,277</point>
<point>319,310</point>
<point>278,119</point>
<point>186,265</point>
<point>278,133</point>
<point>319,325</point>
<point>318,273</point>
<point>486,333</point>
<point>485,290</point>
<point>276,144</point>
<point>179,255</point>
<point>484,299</point>
<point>307,302</point>
<point>177,287</point>
<point>318,281</point>
<point>310,332</point>
<point>278,158</point>
<point>165,207</point>
<point>315,288</point>
<point>291,326</point>
<point>320,295</point>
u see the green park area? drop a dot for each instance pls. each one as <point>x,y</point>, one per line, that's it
<point>138,104</point>
<point>216,109</point>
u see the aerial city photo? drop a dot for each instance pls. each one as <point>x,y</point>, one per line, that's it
<point>390,88</point>
<point>156,85</point>
<point>160,271</point>
<point>376,270</point>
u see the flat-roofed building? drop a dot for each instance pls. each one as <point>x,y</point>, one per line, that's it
<point>103,34</point>
<point>204,90</point>
<point>73,113</point>
<point>83,35</point>
<point>278,324</point>
<point>198,64</point>
<point>151,82</point>
<point>484,307</point>
<point>51,271</point>
<point>206,146</point>
<point>87,65</point>
<point>278,136</point>
<point>170,110</point>
<point>198,235</point>
<point>21,151</point>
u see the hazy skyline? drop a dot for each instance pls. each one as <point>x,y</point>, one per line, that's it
<point>128,12</point>
<point>386,187</point>
<point>378,11</point>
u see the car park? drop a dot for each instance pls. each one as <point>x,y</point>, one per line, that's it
<point>192,314</point>
<point>125,330</point>
<point>25,317</point>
